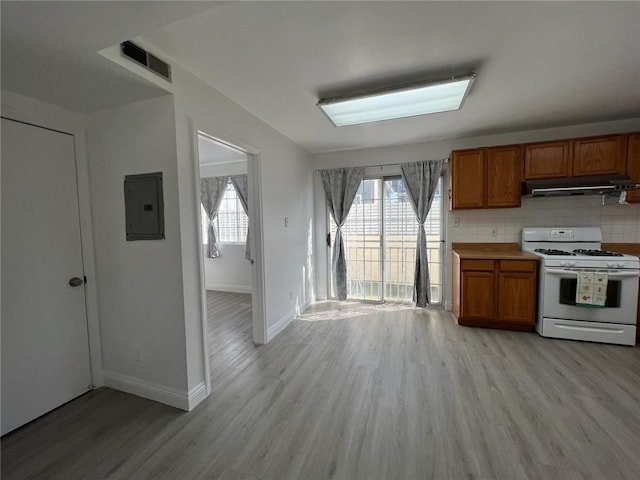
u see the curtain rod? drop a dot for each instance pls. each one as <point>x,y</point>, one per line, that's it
<point>446,160</point>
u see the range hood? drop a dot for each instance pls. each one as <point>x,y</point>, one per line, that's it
<point>597,185</point>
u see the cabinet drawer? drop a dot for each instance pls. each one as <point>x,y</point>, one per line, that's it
<point>477,265</point>
<point>517,265</point>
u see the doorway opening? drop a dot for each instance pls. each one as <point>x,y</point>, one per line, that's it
<point>226,267</point>
<point>380,236</point>
<point>230,248</point>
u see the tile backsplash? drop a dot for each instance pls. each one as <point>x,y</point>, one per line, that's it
<point>619,223</point>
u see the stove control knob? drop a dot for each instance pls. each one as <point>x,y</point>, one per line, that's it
<point>620,265</point>
<point>571,263</point>
<point>610,265</point>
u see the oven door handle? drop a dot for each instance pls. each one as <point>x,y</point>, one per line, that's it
<point>558,271</point>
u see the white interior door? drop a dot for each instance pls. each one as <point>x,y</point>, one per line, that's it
<point>45,349</point>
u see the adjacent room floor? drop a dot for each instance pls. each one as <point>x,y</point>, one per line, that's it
<point>389,393</point>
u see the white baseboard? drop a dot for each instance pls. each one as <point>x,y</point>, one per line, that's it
<point>227,287</point>
<point>281,324</point>
<point>196,395</point>
<point>169,396</point>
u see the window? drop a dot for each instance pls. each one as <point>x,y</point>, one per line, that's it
<point>231,223</point>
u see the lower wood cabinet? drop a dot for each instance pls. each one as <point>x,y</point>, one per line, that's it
<point>495,293</point>
<point>478,303</point>
<point>516,297</point>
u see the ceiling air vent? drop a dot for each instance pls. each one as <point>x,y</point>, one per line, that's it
<point>146,59</point>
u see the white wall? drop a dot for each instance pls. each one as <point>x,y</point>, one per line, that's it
<point>619,223</point>
<point>282,162</point>
<point>140,283</point>
<point>230,272</point>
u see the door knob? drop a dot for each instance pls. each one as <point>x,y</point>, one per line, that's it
<point>76,282</point>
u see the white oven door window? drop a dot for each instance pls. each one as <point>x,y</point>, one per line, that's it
<point>560,295</point>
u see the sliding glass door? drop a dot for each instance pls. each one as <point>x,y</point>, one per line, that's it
<point>362,235</point>
<point>400,233</point>
<point>380,237</point>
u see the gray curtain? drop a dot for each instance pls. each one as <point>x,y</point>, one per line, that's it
<point>241,184</point>
<point>421,180</point>
<point>340,187</point>
<point>211,193</point>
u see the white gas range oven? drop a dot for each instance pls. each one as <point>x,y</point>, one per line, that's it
<point>584,293</point>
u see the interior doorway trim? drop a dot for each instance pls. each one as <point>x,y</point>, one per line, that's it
<point>254,160</point>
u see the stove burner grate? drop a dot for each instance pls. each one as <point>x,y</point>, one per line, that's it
<point>597,253</point>
<point>553,251</point>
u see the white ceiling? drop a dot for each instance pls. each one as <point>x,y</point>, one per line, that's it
<point>538,64</point>
<point>50,49</point>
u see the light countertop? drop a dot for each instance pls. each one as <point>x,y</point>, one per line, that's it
<point>491,251</point>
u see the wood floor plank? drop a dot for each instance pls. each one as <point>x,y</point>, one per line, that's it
<point>356,391</point>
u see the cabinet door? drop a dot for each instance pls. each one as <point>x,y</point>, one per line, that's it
<point>599,156</point>
<point>547,160</point>
<point>504,176</point>
<point>516,297</point>
<point>633,166</point>
<point>467,179</point>
<point>478,300</point>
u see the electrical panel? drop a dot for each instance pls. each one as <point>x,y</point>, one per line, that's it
<point>144,206</point>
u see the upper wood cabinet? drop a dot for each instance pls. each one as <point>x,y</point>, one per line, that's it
<point>547,160</point>
<point>577,157</point>
<point>599,155</point>
<point>486,177</point>
<point>491,177</point>
<point>504,176</point>
<point>633,168</point>
<point>467,178</point>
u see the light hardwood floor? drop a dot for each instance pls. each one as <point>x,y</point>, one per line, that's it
<point>354,392</point>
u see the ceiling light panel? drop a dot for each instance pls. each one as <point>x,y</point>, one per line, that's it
<point>407,101</point>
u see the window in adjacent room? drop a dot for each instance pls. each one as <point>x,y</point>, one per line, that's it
<point>231,223</point>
